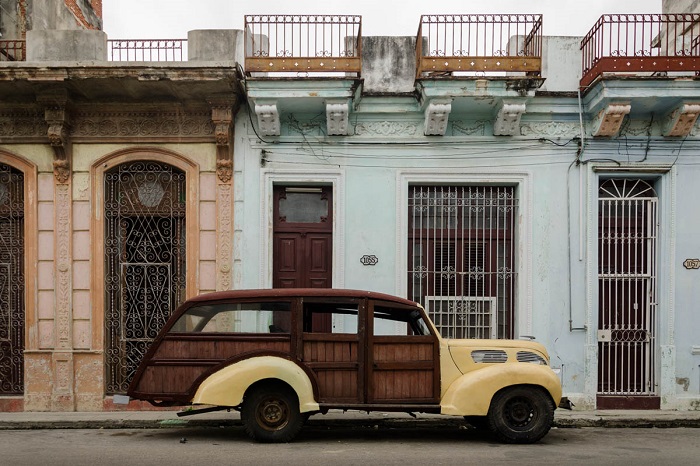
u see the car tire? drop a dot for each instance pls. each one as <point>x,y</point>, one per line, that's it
<point>521,414</point>
<point>270,414</point>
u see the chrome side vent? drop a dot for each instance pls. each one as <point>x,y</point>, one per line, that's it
<point>533,358</point>
<point>489,356</point>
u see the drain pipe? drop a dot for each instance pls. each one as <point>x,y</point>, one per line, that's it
<point>577,161</point>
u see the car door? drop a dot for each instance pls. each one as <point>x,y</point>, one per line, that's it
<point>403,364</point>
<point>331,333</point>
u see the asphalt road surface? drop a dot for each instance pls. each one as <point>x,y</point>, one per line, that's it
<point>346,446</point>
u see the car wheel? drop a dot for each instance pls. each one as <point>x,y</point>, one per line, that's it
<point>478,422</point>
<point>270,413</point>
<point>520,414</point>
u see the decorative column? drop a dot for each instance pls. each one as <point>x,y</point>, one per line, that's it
<point>56,115</point>
<point>222,113</point>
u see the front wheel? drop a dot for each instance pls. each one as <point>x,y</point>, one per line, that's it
<point>521,414</point>
<point>270,413</point>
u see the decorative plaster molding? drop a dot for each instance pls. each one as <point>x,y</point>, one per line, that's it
<point>337,119</point>
<point>507,122</point>
<point>436,116</point>
<point>268,119</point>
<point>552,129</point>
<point>63,262</point>
<point>22,124</point>
<point>634,127</point>
<point>386,128</point>
<point>681,120</point>
<point>224,235</point>
<point>222,113</point>
<point>609,120</point>
<point>476,128</point>
<point>142,124</point>
<point>58,133</point>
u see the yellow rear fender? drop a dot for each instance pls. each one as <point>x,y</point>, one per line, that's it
<point>471,394</point>
<point>227,386</point>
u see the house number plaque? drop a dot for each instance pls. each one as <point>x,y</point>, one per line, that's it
<point>369,259</point>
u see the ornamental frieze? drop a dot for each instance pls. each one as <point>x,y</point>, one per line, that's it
<point>551,129</point>
<point>22,125</point>
<point>387,128</point>
<point>469,128</point>
<point>120,125</point>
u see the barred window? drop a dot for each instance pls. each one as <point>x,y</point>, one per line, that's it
<point>461,260</point>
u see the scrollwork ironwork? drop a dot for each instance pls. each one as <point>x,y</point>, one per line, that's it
<point>144,260</point>
<point>11,281</point>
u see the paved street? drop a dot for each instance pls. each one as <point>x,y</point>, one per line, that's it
<point>340,446</point>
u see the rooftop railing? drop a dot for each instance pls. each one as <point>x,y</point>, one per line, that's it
<point>147,50</point>
<point>303,44</point>
<point>641,44</point>
<point>13,50</point>
<point>451,45</point>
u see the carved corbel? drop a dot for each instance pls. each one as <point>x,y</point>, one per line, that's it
<point>436,116</point>
<point>222,113</point>
<point>681,120</point>
<point>507,122</point>
<point>337,118</point>
<point>59,137</point>
<point>268,119</point>
<point>609,120</point>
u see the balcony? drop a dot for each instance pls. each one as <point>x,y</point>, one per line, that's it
<point>479,45</point>
<point>151,50</point>
<point>13,50</point>
<point>301,45</point>
<point>640,45</point>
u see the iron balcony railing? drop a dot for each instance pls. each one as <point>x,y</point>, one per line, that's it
<point>147,50</point>
<point>641,44</point>
<point>303,44</point>
<point>13,50</point>
<point>478,44</point>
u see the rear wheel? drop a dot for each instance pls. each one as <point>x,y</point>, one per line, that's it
<point>521,414</point>
<point>270,413</point>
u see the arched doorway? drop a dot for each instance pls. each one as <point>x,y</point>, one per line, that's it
<point>12,286</point>
<point>145,255</point>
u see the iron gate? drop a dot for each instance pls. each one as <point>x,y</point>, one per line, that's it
<point>628,234</point>
<point>460,258</point>
<point>11,281</point>
<point>145,207</point>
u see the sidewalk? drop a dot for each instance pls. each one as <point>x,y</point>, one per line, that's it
<point>352,419</point>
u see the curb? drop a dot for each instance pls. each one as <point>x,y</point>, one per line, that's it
<point>447,422</point>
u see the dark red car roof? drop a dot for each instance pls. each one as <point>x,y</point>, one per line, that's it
<point>297,292</point>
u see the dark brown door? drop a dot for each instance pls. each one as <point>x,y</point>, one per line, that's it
<point>303,237</point>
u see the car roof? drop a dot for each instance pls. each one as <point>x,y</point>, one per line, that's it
<point>298,292</point>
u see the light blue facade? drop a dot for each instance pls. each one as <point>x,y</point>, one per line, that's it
<point>554,161</point>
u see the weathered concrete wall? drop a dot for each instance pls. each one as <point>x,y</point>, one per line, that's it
<point>561,63</point>
<point>76,45</point>
<point>54,14</point>
<point>215,45</point>
<point>388,64</point>
<point>680,6</point>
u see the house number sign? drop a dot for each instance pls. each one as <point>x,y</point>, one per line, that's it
<point>369,259</point>
<point>692,264</point>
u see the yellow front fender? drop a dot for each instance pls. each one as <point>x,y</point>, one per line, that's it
<point>227,386</point>
<point>471,394</point>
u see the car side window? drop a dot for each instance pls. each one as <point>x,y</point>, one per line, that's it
<point>330,317</point>
<point>235,318</point>
<point>398,321</point>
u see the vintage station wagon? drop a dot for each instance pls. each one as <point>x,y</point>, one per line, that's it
<point>281,355</point>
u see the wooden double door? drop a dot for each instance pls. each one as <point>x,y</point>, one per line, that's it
<point>302,237</point>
